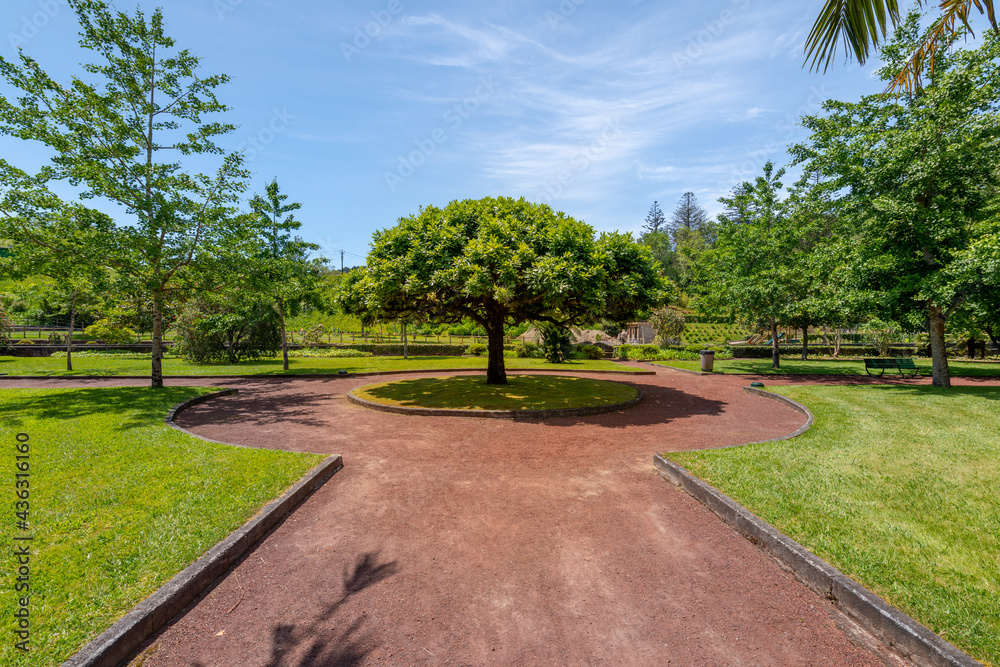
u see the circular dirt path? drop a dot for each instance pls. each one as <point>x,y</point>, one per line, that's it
<point>458,541</point>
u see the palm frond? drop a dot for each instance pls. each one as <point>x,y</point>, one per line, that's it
<point>858,24</point>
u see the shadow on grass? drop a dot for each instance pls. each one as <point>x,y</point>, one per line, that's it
<point>132,407</point>
<point>522,392</point>
<point>659,406</point>
<point>328,646</point>
<point>956,393</point>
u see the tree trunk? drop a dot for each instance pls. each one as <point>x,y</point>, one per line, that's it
<point>971,345</point>
<point>157,372</point>
<point>837,339</point>
<point>69,334</point>
<point>284,337</point>
<point>939,353</point>
<point>405,348</point>
<point>775,349</point>
<point>826,337</point>
<point>993,339</point>
<point>496,373</point>
<point>805,343</point>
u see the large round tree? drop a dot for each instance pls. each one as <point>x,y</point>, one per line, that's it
<point>502,261</point>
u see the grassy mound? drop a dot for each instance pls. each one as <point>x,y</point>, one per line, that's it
<point>522,392</point>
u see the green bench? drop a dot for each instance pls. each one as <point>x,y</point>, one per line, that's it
<point>904,365</point>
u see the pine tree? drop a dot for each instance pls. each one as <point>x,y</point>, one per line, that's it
<point>655,219</point>
<point>688,214</point>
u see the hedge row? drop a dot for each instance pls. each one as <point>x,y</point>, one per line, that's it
<point>764,351</point>
<point>416,349</point>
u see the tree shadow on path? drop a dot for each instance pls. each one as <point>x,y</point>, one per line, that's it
<point>326,645</point>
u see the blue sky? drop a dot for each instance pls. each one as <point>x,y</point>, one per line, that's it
<point>365,111</point>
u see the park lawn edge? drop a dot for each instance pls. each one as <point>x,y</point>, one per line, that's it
<point>912,573</point>
<point>148,525</point>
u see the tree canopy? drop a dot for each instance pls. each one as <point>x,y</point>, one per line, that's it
<point>918,177</point>
<point>139,99</point>
<point>502,261</point>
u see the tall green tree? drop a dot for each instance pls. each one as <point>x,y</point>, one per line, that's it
<point>501,261</point>
<point>918,173</point>
<point>285,271</point>
<point>141,99</point>
<point>655,220</point>
<point>49,238</point>
<point>751,275</point>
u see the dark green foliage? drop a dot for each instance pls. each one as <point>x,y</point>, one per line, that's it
<point>590,351</point>
<point>556,346</point>
<point>227,334</point>
<point>476,349</point>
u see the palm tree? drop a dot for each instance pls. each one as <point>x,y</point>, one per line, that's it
<point>860,24</point>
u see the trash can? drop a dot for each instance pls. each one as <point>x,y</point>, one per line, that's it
<point>707,360</point>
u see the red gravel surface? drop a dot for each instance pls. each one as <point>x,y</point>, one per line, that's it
<point>458,541</point>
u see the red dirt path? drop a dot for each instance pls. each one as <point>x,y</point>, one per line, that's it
<point>465,541</point>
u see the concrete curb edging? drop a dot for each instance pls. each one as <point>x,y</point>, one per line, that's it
<point>794,405</point>
<point>899,631</point>
<point>181,407</point>
<point>516,415</point>
<point>117,643</point>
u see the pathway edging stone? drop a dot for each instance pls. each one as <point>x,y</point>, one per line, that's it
<point>899,631</point>
<point>121,640</point>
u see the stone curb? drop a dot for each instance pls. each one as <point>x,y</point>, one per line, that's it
<point>181,407</point>
<point>798,407</point>
<point>680,370</point>
<point>897,630</point>
<point>120,641</point>
<point>516,415</point>
<point>306,376</point>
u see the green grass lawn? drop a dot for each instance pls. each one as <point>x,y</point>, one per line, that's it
<point>832,367</point>
<point>171,366</point>
<point>120,502</point>
<point>897,486</point>
<point>522,392</point>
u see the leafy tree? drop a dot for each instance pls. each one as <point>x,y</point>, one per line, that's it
<point>659,246</point>
<point>654,219</point>
<point>749,266</point>
<point>148,98</point>
<point>56,240</point>
<point>502,261</point>
<point>285,272</point>
<point>667,323</point>
<point>918,173</point>
<point>227,332</point>
<point>861,24</point>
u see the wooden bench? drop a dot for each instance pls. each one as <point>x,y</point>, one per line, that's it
<point>904,365</point>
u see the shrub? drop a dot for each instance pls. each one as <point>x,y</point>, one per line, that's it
<point>555,342</point>
<point>668,324</point>
<point>111,333</point>
<point>207,334</point>
<point>590,351</point>
<point>313,335</point>
<point>327,353</point>
<point>525,350</point>
<point>477,349</point>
